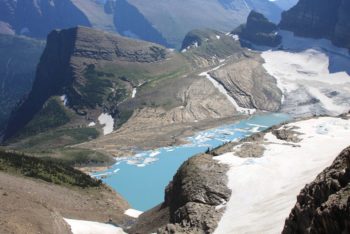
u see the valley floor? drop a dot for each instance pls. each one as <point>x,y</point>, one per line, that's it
<point>150,133</point>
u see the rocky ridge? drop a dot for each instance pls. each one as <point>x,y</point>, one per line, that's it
<point>193,199</point>
<point>249,84</point>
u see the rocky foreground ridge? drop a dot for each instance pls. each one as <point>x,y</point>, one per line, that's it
<point>192,200</point>
<point>197,198</point>
<point>323,206</point>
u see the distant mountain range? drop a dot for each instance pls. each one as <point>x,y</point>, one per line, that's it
<point>163,22</point>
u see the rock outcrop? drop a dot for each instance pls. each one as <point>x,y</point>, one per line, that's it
<point>249,84</point>
<point>193,199</point>
<point>320,19</point>
<point>259,30</point>
<point>323,206</point>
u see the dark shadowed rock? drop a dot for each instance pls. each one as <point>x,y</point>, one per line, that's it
<point>287,134</point>
<point>324,205</point>
<point>18,61</point>
<point>259,30</point>
<point>320,19</point>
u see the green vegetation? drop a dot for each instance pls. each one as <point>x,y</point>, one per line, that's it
<point>83,157</point>
<point>47,170</point>
<point>58,138</point>
<point>94,90</point>
<point>52,115</point>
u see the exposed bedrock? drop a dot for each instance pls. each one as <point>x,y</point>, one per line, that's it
<point>323,206</point>
<point>192,199</point>
<point>249,83</point>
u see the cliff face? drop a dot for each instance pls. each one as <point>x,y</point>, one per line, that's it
<point>320,19</point>
<point>52,74</point>
<point>259,30</point>
<point>324,205</point>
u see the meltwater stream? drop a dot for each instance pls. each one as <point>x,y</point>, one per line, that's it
<point>142,178</point>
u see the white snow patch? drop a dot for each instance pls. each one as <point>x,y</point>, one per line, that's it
<point>108,122</point>
<point>134,91</point>
<point>235,37</point>
<point>218,37</point>
<point>92,124</point>
<point>264,190</point>
<point>222,89</point>
<point>88,227</point>
<point>133,213</point>
<point>64,99</point>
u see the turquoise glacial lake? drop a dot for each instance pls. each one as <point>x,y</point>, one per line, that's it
<point>142,178</point>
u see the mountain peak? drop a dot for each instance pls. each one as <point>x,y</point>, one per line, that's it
<point>259,30</point>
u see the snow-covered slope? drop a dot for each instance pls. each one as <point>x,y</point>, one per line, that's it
<point>264,190</point>
<point>88,227</point>
<point>313,75</point>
